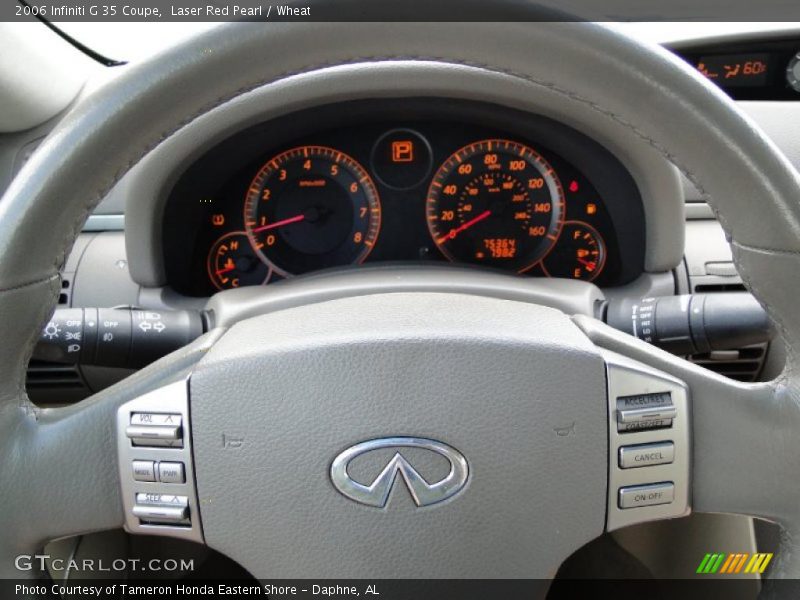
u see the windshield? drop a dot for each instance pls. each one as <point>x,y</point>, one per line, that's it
<point>135,41</point>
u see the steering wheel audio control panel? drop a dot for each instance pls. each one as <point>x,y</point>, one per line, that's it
<point>412,181</point>
<point>155,464</point>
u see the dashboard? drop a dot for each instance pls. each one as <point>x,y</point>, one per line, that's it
<point>759,69</point>
<point>421,180</point>
<point>202,228</point>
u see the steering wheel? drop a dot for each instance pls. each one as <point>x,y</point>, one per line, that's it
<point>510,406</point>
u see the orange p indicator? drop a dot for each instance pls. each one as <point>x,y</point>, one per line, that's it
<point>402,151</point>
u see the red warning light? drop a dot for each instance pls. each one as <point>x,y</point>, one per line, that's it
<point>573,186</point>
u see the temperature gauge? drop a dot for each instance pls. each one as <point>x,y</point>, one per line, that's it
<point>580,253</point>
<point>233,263</point>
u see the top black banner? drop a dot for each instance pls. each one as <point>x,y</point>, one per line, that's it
<point>399,10</point>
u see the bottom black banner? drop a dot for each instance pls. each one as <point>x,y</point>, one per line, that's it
<point>404,589</point>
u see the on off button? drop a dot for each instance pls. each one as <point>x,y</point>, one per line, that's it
<point>646,495</point>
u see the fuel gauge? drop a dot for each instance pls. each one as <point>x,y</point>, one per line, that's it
<point>579,253</point>
<point>232,263</point>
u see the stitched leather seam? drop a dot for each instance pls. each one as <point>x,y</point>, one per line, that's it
<point>788,372</point>
<point>45,309</point>
<point>30,283</point>
<point>763,250</point>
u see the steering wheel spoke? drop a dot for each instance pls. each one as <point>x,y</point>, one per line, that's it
<point>745,446</point>
<point>59,466</point>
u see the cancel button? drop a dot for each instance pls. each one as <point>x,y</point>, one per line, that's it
<point>646,455</point>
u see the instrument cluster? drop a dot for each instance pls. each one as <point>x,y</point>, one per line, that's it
<point>410,181</point>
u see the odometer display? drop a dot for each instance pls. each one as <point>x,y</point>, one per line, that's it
<point>310,208</point>
<point>496,203</point>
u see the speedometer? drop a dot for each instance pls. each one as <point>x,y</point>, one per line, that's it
<point>497,203</point>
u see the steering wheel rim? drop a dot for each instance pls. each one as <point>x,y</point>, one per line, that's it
<point>735,164</point>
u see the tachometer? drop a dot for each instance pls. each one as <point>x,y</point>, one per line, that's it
<point>495,202</point>
<point>310,208</point>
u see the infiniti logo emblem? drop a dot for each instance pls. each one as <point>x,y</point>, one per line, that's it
<point>423,492</point>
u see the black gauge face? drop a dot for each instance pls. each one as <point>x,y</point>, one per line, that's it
<point>580,253</point>
<point>232,263</point>
<point>310,208</point>
<point>496,203</point>
<point>412,181</point>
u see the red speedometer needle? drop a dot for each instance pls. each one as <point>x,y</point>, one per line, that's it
<point>288,221</point>
<point>455,231</point>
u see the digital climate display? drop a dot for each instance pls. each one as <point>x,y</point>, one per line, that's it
<point>736,70</point>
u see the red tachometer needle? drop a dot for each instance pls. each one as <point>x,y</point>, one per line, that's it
<point>288,221</point>
<point>455,231</point>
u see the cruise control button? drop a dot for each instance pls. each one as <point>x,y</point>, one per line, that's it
<point>171,472</point>
<point>646,455</point>
<point>643,425</point>
<point>646,495</point>
<point>640,415</point>
<point>644,401</point>
<point>645,407</point>
<point>144,470</point>
<point>645,411</point>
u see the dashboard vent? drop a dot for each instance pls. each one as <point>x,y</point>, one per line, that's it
<point>54,383</point>
<point>46,374</point>
<point>741,364</point>
<point>711,288</point>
